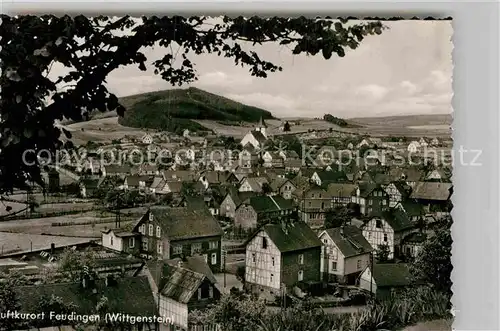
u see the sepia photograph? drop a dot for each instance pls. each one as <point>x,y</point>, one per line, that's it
<point>226,173</point>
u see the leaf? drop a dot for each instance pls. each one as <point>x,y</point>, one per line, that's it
<point>327,51</point>
<point>142,66</point>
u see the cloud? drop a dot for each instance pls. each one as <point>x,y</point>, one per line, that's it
<point>222,79</point>
<point>374,91</point>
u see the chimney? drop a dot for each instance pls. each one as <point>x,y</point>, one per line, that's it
<point>52,248</point>
<point>342,231</point>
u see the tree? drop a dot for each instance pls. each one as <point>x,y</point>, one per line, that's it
<point>382,253</point>
<point>188,189</point>
<point>91,48</point>
<point>286,127</point>
<point>337,217</point>
<point>433,263</point>
<point>54,304</point>
<point>9,301</point>
<point>72,263</point>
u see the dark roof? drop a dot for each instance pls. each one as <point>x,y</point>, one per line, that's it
<point>397,219</point>
<point>391,275</point>
<point>331,176</point>
<point>264,204</point>
<point>278,182</point>
<point>185,222</point>
<point>416,237</point>
<point>259,136</point>
<point>341,190</point>
<point>91,183</point>
<point>292,237</point>
<point>349,240</point>
<point>402,187</point>
<point>117,169</point>
<point>366,188</point>
<point>432,191</point>
<point>197,264</point>
<point>412,208</point>
<point>130,295</point>
<point>175,282</point>
<point>135,180</point>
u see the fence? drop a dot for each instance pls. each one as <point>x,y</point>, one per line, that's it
<point>205,327</point>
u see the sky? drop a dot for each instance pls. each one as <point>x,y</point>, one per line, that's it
<point>404,71</point>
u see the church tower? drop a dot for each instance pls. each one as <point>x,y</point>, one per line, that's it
<point>261,127</point>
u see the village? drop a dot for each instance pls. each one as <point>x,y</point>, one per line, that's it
<point>331,217</point>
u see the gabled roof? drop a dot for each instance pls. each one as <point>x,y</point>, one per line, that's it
<point>403,188</point>
<point>195,263</point>
<point>258,136</point>
<point>256,183</point>
<point>175,282</point>
<point>341,190</point>
<point>331,176</point>
<point>365,189</point>
<point>415,238</point>
<point>432,191</point>
<point>349,240</point>
<point>265,204</point>
<point>397,219</point>
<point>130,295</point>
<point>134,180</point>
<point>278,182</point>
<point>412,208</point>
<point>118,169</point>
<point>174,186</point>
<point>293,237</point>
<point>185,222</point>
<point>391,275</point>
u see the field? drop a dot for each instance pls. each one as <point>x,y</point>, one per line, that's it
<point>20,242</point>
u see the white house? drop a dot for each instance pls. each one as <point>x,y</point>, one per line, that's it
<point>147,139</point>
<point>388,230</point>
<point>413,146</point>
<point>383,279</point>
<point>257,137</point>
<point>276,258</point>
<point>120,240</point>
<point>252,184</point>
<point>185,133</point>
<point>345,254</point>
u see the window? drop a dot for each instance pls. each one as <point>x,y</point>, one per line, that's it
<point>159,249</point>
<point>214,258</point>
<point>325,241</point>
<point>177,249</point>
<point>322,205</point>
<point>300,276</point>
<point>309,204</point>
<point>150,216</point>
<point>158,232</point>
<point>369,210</point>
<point>196,248</point>
<point>320,195</point>
<point>142,229</point>
<point>378,224</point>
<point>312,195</point>
<point>213,245</point>
<point>358,264</point>
<point>272,277</point>
<point>264,243</point>
<point>111,241</point>
<point>211,292</point>
<point>145,246</point>
<point>301,259</point>
<point>199,293</point>
<point>131,242</point>
<point>385,236</point>
<point>369,235</point>
<point>334,265</point>
<point>384,202</point>
<point>272,261</point>
<point>253,257</point>
<point>151,230</point>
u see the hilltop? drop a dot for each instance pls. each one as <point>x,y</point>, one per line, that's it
<point>176,109</point>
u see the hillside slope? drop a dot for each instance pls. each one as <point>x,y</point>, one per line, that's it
<point>173,110</point>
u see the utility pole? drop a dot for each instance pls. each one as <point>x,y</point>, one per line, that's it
<point>371,274</point>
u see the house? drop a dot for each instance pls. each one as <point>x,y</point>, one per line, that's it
<point>341,193</point>
<point>173,187</point>
<point>170,232</point>
<point>345,254</point>
<point>437,175</point>
<point>137,182</point>
<point>371,198</point>
<point>272,159</point>
<point>313,204</point>
<point>413,210</point>
<point>88,186</point>
<point>158,186</point>
<point>259,210</point>
<point>210,178</point>
<point>283,187</point>
<point>127,295</point>
<point>423,142</point>
<point>412,244</point>
<point>370,142</point>
<point>253,184</point>
<point>278,256</point>
<point>384,279</point>
<point>233,200</point>
<point>115,170</point>
<point>323,178</point>
<point>121,240</point>
<point>409,175</point>
<point>413,147</point>
<point>325,156</point>
<point>148,170</point>
<point>179,175</point>
<point>147,139</point>
<point>388,229</point>
<point>434,196</point>
<point>182,286</point>
<point>435,142</point>
<point>257,137</point>
<point>293,165</point>
<point>289,155</point>
<point>398,191</point>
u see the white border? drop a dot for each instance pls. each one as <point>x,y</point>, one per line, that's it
<point>476,120</point>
